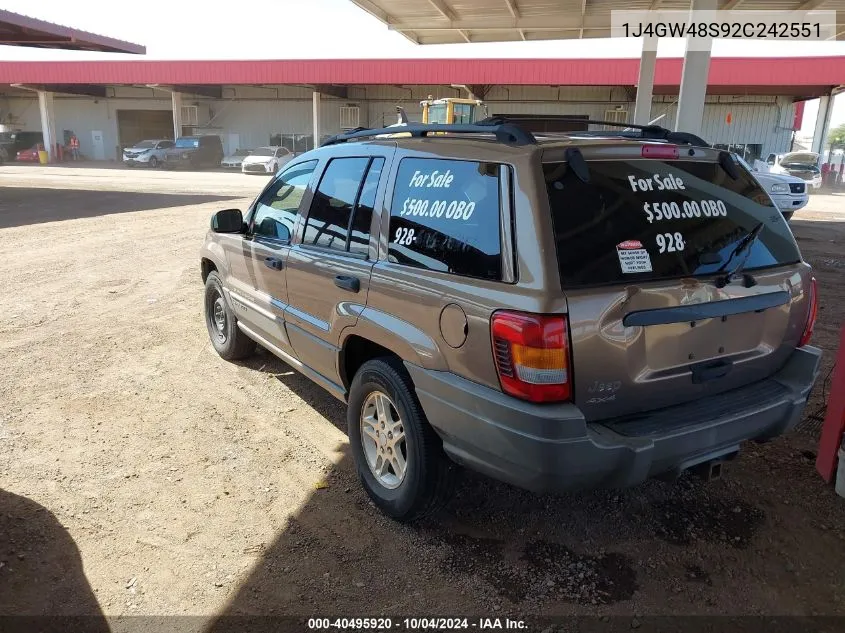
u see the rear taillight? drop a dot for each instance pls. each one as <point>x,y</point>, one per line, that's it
<point>532,356</point>
<point>812,313</point>
<point>660,151</point>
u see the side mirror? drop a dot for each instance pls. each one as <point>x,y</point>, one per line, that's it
<point>227,221</point>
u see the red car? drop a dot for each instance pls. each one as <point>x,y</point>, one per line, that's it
<point>28,155</point>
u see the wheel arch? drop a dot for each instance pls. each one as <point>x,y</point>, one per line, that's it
<point>211,258</point>
<point>380,334</point>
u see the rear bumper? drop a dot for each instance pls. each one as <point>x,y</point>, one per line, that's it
<point>549,448</point>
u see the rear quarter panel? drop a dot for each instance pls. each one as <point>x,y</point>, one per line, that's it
<point>405,304</point>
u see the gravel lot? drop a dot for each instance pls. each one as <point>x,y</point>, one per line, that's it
<point>141,474</point>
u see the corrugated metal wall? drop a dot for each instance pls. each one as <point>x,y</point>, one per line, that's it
<point>764,120</point>
<point>257,113</point>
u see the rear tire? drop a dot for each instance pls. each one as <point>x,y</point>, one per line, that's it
<point>426,478</point>
<point>226,337</point>
<point>153,162</point>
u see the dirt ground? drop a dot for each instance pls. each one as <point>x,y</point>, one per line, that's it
<point>142,474</point>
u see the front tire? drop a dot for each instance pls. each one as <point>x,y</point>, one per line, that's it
<point>226,337</point>
<point>787,215</point>
<point>399,457</point>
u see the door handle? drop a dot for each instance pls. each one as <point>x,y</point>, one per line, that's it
<point>274,262</point>
<point>346,282</point>
<point>704,372</point>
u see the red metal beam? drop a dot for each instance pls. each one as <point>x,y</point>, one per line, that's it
<point>744,74</point>
<point>834,421</point>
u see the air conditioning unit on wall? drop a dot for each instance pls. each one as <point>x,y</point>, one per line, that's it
<point>350,117</point>
<point>617,115</point>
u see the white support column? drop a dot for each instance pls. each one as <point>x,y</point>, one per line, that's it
<point>645,82</point>
<point>694,77</point>
<point>176,104</point>
<point>822,125</point>
<point>315,114</point>
<point>48,122</point>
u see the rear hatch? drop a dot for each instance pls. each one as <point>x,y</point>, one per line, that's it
<point>642,249</point>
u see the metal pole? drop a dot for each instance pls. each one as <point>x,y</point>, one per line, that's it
<point>694,77</point>
<point>48,123</point>
<point>176,104</point>
<point>645,83</point>
<point>822,125</point>
<point>316,118</point>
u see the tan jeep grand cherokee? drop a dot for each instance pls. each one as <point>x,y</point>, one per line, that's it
<point>557,312</point>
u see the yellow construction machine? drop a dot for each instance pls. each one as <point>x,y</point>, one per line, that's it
<point>450,110</point>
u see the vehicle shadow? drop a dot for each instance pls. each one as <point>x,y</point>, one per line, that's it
<point>22,206</point>
<point>41,572</point>
<point>491,547</point>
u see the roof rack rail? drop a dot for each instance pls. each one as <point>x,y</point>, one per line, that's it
<point>506,133</point>
<point>655,132</point>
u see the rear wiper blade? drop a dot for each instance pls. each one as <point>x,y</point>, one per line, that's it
<point>745,245</point>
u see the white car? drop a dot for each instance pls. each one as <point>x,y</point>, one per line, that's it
<point>149,153</point>
<point>789,193</point>
<point>236,159</point>
<point>266,160</point>
<point>803,165</point>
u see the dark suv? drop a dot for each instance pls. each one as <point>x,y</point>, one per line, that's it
<point>194,152</point>
<point>558,312</point>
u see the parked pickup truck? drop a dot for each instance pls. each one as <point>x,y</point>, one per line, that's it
<point>789,193</point>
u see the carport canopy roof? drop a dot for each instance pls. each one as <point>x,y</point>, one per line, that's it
<point>457,21</point>
<point>22,30</point>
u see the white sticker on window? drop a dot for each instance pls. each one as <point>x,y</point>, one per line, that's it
<point>633,258</point>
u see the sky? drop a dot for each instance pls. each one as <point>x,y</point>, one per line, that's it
<point>303,29</point>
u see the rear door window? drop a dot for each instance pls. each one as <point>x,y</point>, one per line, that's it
<point>640,220</point>
<point>445,216</point>
<point>342,209</point>
<point>331,211</point>
<point>362,216</point>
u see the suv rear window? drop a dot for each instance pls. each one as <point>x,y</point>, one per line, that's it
<point>638,220</point>
<point>445,216</point>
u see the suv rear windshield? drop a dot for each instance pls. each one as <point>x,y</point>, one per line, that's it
<point>640,220</point>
